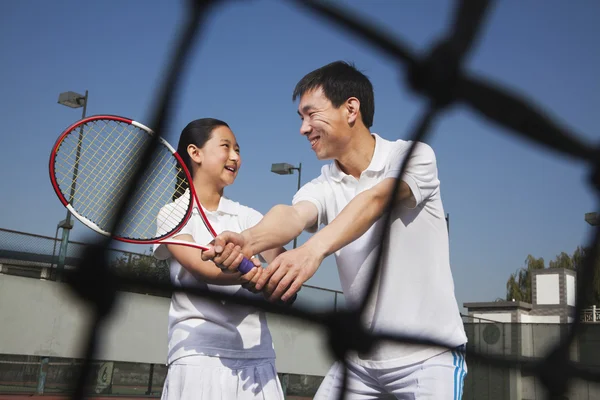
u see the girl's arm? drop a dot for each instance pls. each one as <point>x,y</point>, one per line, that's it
<point>191,259</point>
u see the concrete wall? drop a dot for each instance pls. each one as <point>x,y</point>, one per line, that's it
<point>40,317</point>
<point>487,317</point>
<point>533,339</point>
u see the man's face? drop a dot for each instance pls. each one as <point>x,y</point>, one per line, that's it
<point>325,126</point>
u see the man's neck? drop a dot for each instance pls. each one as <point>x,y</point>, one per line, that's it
<point>358,154</point>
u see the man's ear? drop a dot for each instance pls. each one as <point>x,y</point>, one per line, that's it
<point>352,109</point>
<point>195,153</point>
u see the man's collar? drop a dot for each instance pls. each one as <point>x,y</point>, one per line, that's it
<point>377,163</point>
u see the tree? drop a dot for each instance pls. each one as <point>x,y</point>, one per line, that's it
<point>593,297</point>
<point>135,265</point>
<point>563,260</point>
<point>519,288</point>
<point>578,257</point>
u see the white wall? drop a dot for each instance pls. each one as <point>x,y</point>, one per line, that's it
<point>540,319</point>
<point>497,317</point>
<point>570,290</point>
<point>43,318</point>
<point>547,289</point>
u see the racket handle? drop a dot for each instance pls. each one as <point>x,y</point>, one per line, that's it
<point>246,266</point>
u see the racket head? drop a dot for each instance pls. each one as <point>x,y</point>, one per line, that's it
<point>92,165</point>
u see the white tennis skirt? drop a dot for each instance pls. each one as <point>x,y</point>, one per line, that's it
<point>213,378</point>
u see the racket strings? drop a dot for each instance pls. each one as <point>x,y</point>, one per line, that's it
<point>118,164</point>
<point>99,173</point>
<point>101,163</point>
<point>66,162</point>
<point>160,176</point>
<point>88,163</point>
<point>181,185</point>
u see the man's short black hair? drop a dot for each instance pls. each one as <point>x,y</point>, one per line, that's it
<point>339,81</point>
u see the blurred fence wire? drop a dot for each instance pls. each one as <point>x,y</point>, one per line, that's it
<point>439,77</point>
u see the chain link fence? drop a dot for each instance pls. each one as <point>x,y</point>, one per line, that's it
<point>29,255</point>
<point>36,256</point>
<point>53,375</point>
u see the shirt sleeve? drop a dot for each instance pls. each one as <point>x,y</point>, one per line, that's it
<point>160,251</point>
<point>421,173</point>
<point>315,192</point>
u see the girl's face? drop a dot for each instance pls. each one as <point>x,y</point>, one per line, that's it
<point>219,158</point>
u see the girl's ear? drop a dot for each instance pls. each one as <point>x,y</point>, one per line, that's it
<point>195,153</point>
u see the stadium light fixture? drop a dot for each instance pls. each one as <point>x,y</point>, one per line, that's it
<point>72,99</point>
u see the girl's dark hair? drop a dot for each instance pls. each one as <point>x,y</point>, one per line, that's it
<point>197,132</point>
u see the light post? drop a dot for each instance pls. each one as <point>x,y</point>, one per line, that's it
<point>288,169</point>
<point>73,100</point>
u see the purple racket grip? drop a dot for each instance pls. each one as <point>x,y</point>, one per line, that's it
<point>246,266</point>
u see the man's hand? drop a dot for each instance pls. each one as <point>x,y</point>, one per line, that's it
<point>251,278</point>
<point>227,251</point>
<point>285,274</point>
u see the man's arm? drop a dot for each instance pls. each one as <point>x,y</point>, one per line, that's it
<point>289,271</point>
<point>277,228</point>
<point>281,225</point>
<point>358,216</point>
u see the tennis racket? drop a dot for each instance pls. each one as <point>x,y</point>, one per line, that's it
<point>92,165</point>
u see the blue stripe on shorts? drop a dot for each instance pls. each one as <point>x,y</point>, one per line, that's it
<point>459,371</point>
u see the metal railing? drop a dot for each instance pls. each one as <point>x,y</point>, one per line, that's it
<point>35,256</point>
<point>591,315</point>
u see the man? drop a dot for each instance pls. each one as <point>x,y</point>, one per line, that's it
<point>415,292</point>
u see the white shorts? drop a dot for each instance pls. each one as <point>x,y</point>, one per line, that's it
<point>440,377</point>
<point>211,378</point>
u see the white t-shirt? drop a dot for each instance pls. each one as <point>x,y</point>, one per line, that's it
<point>199,326</point>
<point>415,294</point>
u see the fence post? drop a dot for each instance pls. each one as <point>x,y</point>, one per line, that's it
<point>150,378</point>
<point>42,375</point>
<point>66,226</point>
<point>285,380</point>
<point>45,274</point>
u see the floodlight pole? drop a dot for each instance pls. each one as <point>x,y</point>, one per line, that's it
<point>288,169</point>
<point>299,181</point>
<point>67,224</point>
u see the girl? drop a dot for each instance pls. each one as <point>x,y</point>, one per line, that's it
<point>216,350</point>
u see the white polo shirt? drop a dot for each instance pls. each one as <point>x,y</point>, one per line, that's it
<point>198,326</point>
<point>415,295</point>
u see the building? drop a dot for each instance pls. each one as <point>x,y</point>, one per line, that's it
<point>520,329</point>
<point>553,301</point>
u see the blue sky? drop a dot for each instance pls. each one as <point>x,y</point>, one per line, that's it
<point>506,198</point>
